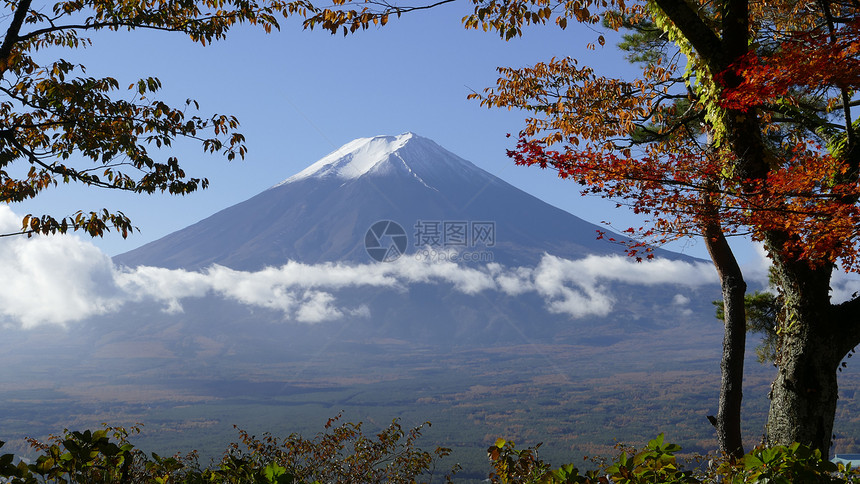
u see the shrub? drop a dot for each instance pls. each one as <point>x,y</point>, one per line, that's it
<point>344,454</point>
<point>657,464</point>
<point>340,454</point>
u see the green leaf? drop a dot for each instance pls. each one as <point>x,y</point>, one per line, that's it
<point>752,462</point>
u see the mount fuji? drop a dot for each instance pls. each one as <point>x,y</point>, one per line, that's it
<point>315,296</point>
<point>376,199</point>
<point>323,214</point>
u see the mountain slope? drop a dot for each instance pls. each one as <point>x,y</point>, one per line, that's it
<point>323,213</point>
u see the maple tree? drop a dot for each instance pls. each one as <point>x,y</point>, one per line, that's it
<point>741,141</point>
<point>741,124</point>
<point>58,125</point>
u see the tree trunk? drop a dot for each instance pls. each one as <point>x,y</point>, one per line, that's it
<point>743,137</point>
<point>734,343</point>
<point>812,342</point>
<point>804,393</point>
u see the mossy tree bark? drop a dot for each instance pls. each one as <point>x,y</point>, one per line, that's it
<point>813,340</point>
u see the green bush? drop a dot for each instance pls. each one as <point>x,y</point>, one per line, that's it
<point>787,465</point>
<point>344,454</point>
<point>75,457</point>
<point>657,464</point>
<point>340,454</point>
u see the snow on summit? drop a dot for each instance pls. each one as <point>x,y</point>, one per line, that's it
<point>380,155</point>
<point>355,158</point>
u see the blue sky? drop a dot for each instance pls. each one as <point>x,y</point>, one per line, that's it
<point>301,94</point>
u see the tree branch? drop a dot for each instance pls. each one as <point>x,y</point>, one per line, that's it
<point>702,38</point>
<point>12,32</point>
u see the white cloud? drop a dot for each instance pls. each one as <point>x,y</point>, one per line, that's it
<point>513,282</point>
<point>61,279</point>
<point>163,285</point>
<point>316,307</point>
<point>681,301</point>
<point>53,281</point>
<point>844,286</point>
<point>573,286</point>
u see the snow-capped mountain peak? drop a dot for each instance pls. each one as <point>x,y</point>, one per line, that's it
<point>406,153</point>
<point>323,213</point>
<point>355,159</point>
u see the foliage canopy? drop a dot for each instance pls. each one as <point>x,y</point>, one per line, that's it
<point>60,125</point>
